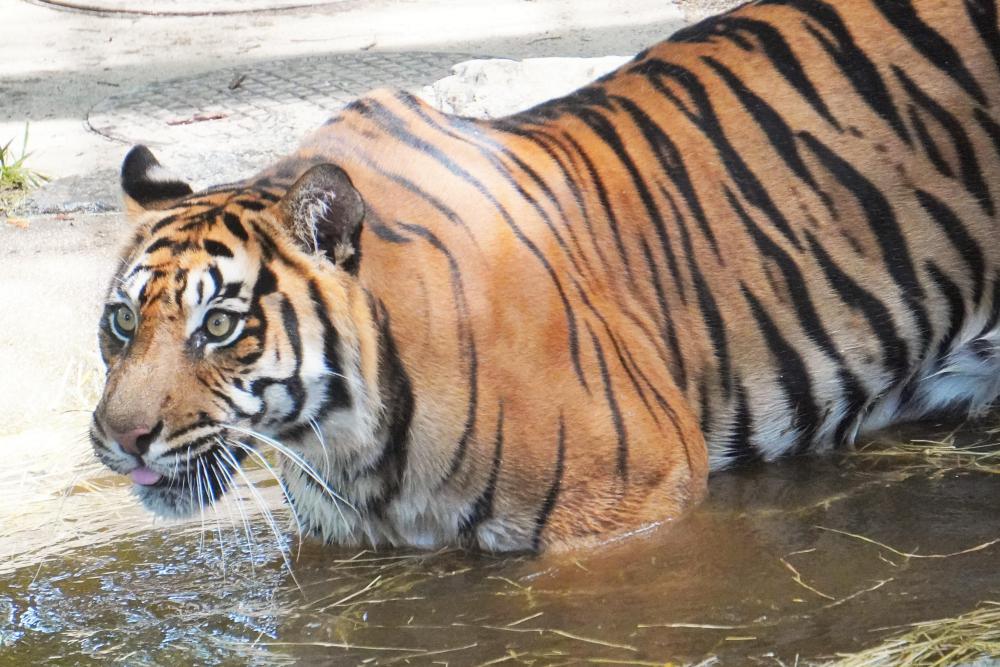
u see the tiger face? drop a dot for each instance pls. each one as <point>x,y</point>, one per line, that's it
<point>227,328</point>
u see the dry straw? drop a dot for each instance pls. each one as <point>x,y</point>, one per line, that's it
<point>965,639</point>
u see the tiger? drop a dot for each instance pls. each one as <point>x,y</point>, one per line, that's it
<point>765,236</point>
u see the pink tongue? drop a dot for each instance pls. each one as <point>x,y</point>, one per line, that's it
<point>144,476</point>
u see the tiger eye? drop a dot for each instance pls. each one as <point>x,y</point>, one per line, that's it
<point>220,324</point>
<point>124,320</point>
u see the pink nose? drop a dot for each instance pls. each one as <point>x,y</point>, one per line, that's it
<point>130,441</point>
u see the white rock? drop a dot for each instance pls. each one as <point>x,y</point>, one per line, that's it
<point>499,87</point>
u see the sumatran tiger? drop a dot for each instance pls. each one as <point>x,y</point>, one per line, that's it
<point>766,235</point>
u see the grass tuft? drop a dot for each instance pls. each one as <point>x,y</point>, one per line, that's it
<point>16,179</point>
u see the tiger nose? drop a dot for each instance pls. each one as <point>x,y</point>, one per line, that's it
<point>132,441</point>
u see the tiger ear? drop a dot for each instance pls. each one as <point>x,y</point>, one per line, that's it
<point>324,213</point>
<point>147,185</point>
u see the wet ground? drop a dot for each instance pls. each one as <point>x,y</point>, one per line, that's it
<point>784,563</point>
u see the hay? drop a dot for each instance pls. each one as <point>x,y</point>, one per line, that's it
<point>940,456</point>
<point>946,641</point>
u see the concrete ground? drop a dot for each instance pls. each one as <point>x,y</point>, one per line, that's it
<point>58,64</point>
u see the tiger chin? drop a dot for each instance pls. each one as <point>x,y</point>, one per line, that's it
<point>768,235</point>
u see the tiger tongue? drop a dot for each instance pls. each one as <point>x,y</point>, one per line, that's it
<point>144,476</point>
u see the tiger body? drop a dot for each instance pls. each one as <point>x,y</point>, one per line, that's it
<point>767,235</point>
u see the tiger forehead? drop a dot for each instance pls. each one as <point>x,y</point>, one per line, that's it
<point>194,255</point>
<point>197,227</point>
<point>201,214</point>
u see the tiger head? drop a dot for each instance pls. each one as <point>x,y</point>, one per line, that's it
<point>235,319</point>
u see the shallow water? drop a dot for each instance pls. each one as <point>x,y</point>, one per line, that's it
<point>758,572</point>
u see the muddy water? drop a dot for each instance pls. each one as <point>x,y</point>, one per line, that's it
<point>775,565</point>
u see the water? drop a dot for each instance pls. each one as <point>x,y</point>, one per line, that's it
<point>758,572</point>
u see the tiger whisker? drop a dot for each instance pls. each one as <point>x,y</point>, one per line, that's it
<point>251,540</point>
<point>269,517</point>
<point>218,524</point>
<point>201,507</point>
<point>302,463</point>
<point>225,496</point>
<point>281,484</point>
<point>190,488</point>
<point>322,444</point>
<point>358,384</point>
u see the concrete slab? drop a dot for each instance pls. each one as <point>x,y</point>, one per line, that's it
<point>180,7</point>
<point>57,65</point>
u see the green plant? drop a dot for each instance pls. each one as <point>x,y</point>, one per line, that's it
<point>16,179</point>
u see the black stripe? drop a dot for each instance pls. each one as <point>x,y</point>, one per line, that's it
<point>163,242</point>
<point>465,335</point>
<point>504,172</point>
<point>607,133</point>
<point>660,401</point>
<point>232,290</point>
<point>778,52</point>
<point>740,447</point>
<point>968,250</point>
<point>621,462</point>
<point>706,120</point>
<point>956,305</point>
<point>792,374</point>
<point>669,158</point>
<point>217,249</point>
<point>201,422</point>
<point>397,397</point>
<point>706,406</point>
<point>573,180</point>
<point>335,394</point>
<point>678,369</point>
<point>293,383</point>
<point>217,282</point>
<point>809,320</point>
<point>555,487</point>
<point>251,204</point>
<point>266,283</point>
<point>884,225</point>
<point>931,45</point>
<point>895,351</point>
<point>972,175</point>
<point>180,282</point>
<point>983,14</point>
<point>482,507</point>
<point>235,227</point>
<point>710,313</point>
<point>623,359</point>
<point>989,126</point>
<point>597,180</point>
<point>925,139</point>
<point>162,222</point>
<point>235,410</point>
<point>779,134</point>
<point>852,61</point>
<point>179,247</point>
<point>199,220</point>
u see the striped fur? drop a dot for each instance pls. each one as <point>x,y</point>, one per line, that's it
<point>766,235</point>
